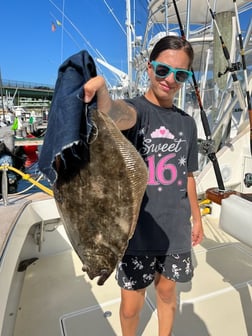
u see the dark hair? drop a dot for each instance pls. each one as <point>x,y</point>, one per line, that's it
<point>174,43</point>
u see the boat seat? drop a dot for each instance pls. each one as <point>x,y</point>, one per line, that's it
<point>236,218</point>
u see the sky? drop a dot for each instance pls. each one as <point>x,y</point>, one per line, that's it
<point>31,52</point>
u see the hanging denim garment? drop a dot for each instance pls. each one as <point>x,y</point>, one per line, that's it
<point>69,124</point>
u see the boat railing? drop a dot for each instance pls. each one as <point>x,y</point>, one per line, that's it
<point>4,185</point>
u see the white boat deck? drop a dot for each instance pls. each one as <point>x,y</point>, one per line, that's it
<point>58,298</point>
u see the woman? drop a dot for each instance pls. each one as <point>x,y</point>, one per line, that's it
<point>166,137</point>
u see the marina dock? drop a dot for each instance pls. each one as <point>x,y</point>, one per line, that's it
<point>28,141</point>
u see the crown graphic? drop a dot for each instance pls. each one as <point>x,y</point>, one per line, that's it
<point>162,132</point>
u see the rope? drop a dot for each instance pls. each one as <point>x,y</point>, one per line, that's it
<point>27,177</point>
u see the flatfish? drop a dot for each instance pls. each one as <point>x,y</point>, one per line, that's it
<point>100,205</point>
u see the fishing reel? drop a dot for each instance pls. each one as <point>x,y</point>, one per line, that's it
<point>248,180</point>
<point>234,67</point>
<point>206,147</point>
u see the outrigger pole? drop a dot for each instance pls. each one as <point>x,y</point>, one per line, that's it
<point>244,67</point>
<point>208,146</point>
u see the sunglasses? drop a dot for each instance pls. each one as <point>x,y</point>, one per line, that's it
<point>162,70</point>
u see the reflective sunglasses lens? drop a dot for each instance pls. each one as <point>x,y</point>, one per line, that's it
<point>182,76</point>
<point>162,70</point>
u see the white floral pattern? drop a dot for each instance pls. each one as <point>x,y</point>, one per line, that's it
<point>136,272</point>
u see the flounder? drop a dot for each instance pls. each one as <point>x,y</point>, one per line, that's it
<point>100,205</point>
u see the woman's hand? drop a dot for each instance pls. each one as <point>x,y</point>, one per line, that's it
<point>95,85</point>
<point>118,110</point>
<point>197,232</point>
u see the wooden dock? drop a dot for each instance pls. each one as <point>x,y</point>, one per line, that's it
<point>28,141</point>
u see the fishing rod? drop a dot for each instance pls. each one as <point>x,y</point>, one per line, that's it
<point>208,144</point>
<point>244,67</point>
<point>231,67</point>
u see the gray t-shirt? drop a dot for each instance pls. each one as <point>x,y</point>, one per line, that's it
<point>167,141</point>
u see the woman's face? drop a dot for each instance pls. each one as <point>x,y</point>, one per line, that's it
<point>163,90</point>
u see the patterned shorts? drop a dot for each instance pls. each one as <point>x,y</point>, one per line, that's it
<point>136,272</point>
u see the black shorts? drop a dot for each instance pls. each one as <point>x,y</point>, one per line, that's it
<point>136,272</point>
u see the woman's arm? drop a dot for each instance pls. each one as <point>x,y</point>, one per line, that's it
<point>197,230</point>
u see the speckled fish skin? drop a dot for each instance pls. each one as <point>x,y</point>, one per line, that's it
<point>100,205</point>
